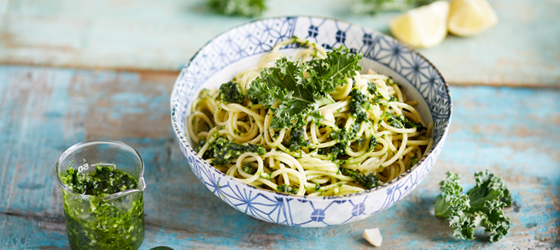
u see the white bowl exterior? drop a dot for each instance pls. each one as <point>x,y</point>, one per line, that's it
<point>393,58</point>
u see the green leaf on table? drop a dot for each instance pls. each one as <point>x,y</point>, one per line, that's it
<point>482,206</point>
<point>248,8</point>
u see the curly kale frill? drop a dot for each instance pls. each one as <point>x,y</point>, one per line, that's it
<point>294,91</point>
<point>481,206</point>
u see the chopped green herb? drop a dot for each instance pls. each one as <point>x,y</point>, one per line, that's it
<point>368,181</point>
<point>248,168</point>
<point>372,143</point>
<point>286,189</point>
<point>359,104</point>
<point>224,150</point>
<point>297,140</point>
<point>117,223</point>
<point>231,92</point>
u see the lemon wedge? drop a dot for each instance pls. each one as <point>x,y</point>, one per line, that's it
<point>422,27</point>
<point>470,17</point>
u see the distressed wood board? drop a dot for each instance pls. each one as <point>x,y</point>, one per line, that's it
<point>512,131</point>
<point>522,50</point>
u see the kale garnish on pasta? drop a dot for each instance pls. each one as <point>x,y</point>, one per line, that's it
<point>315,124</point>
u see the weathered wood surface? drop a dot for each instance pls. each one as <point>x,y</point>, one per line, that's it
<point>514,132</point>
<point>522,50</point>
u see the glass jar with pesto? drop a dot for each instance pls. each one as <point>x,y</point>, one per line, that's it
<point>102,186</point>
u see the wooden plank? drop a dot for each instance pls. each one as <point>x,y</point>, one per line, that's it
<point>521,50</point>
<point>512,131</point>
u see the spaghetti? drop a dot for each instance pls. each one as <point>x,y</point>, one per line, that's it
<point>366,134</point>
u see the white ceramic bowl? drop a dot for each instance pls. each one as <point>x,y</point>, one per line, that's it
<point>240,48</point>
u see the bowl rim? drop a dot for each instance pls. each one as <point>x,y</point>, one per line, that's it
<point>183,140</point>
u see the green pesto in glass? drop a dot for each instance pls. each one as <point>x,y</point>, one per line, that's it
<point>100,214</point>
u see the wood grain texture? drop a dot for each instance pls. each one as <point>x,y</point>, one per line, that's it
<point>514,132</point>
<point>522,50</point>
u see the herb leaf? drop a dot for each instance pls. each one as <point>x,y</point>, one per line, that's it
<point>300,88</point>
<point>248,8</point>
<point>480,206</point>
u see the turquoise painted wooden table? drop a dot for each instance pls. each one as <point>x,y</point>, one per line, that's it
<point>514,132</point>
<point>53,95</point>
<point>522,50</point>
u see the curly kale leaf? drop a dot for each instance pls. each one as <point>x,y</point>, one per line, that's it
<point>248,8</point>
<point>300,88</point>
<point>368,181</point>
<point>495,223</point>
<point>325,75</point>
<point>224,150</point>
<point>481,206</point>
<point>283,83</point>
<point>231,92</point>
<point>462,225</point>
<point>488,187</point>
<point>451,199</point>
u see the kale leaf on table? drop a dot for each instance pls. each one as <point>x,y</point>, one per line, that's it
<point>248,8</point>
<point>482,206</point>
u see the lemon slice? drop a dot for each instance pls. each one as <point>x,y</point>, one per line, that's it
<point>422,27</point>
<point>470,17</point>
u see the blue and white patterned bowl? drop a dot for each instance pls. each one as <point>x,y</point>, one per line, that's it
<point>239,48</point>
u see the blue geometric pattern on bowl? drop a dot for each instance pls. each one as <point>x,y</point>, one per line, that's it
<point>259,37</point>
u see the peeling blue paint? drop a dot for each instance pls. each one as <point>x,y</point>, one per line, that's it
<point>182,213</point>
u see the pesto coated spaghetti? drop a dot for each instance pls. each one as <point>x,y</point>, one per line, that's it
<point>311,126</point>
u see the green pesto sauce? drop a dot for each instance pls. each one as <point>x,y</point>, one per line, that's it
<point>97,222</point>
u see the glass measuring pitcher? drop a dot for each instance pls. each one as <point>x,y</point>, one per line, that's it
<point>102,186</point>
